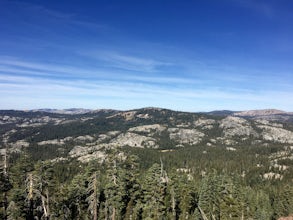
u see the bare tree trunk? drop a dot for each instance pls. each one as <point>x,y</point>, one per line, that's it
<point>30,196</point>
<point>5,163</point>
<point>31,187</point>
<point>5,200</point>
<point>95,198</point>
<point>214,218</point>
<point>48,204</point>
<point>114,177</point>
<point>44,207</point>
<point>162,167</point>
<point>45,204</point>
<point>114,213</point>
<point>173,202</point>
<point>202,214</point>
<point>115,183</point>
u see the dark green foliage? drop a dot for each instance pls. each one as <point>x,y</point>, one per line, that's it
<point>122,192</point>
<point>154,193</point>
<point>194,182</point>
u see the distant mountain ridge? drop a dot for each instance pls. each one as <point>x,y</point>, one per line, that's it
<point>81,130</point>
<point>252,113</point>
<point>266,114</point>
<point>248,113</point>
<point>222,112</point>
<point>64,111</point>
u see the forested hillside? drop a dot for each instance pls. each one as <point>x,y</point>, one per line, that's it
<point>145,164</point>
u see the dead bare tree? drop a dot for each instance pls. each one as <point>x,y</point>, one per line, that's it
<point>93,198</point>
<point>5,183</point>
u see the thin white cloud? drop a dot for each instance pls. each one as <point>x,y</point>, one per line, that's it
<point>39,66</point>
<point>15,66</point>
<point>18,79</point>
<point>26,89</point>
<point>127,62</point>
<point>25,67</point>
<point>5,70</point>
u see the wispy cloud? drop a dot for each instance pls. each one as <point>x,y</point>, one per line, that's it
<point>14,65</point>
<point>203,77</point>
<point>126,94</point>
<point>17,66</point>
<point>127,62</point>
<point>59,55</point>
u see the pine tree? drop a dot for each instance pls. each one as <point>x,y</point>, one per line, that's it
<point>115,189</point>
<point>44,172</point>
<point>132,187</point>
<point>75,197</point>
<point>230,199</point>
<point>187,196</point>
<point>209,196</point>
<point>154,192</point>
<point>283,201</point>
<point>263,209</point>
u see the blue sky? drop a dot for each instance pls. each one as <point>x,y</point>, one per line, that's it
<point>192,55</point>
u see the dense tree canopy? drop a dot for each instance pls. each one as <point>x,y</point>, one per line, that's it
<point>123,188</point>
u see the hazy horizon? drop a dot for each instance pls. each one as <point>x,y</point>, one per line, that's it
<point>148,107</point>
<point>188,56</point>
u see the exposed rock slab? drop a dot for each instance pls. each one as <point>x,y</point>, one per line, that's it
<point>186,136</point>
<point>134,140</point>
<point>234,126</point>
<point>154,128</point>
<point>276,134</point>
<point>205,124</point>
